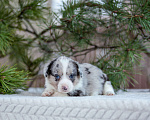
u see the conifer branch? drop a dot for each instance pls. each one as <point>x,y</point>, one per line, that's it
<point>120,28</point>
<point>11,79</point>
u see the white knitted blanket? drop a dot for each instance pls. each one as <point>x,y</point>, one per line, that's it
<point>123,106</point>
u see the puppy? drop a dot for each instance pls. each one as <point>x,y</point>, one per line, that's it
<point>66,77</point>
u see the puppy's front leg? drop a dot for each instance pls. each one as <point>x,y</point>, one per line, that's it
<point>48,92</point>
<point>52,93</point>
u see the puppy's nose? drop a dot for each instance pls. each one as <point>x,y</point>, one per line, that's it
<point>65,88</point>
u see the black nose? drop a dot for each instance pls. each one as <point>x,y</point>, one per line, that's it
<point>64,88</point>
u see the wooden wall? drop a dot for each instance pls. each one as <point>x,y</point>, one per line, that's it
<point>143,79</point>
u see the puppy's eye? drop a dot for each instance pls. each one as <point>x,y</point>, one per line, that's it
<point>57,77</point>
<point>71,76</point>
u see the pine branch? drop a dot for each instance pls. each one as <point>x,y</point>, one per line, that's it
<point>33,29</point>
<point>11,79</point>
<point>20,16</point>
<point>120,27</point>
<point>143,33</point>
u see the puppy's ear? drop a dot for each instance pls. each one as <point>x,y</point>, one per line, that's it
<point>79,72</point>
<point>48,68</point>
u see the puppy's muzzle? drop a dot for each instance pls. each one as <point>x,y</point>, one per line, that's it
<point>65,86</point>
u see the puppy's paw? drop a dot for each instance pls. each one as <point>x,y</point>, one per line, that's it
<point>47,93</point>
<point>108,89</point>
<point>109,93</point>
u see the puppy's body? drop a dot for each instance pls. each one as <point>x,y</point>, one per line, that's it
<point>64,76</point>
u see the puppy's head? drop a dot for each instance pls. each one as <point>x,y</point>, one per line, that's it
<point>63,73</point>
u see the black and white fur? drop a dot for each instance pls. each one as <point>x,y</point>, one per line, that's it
<point>66,77</point>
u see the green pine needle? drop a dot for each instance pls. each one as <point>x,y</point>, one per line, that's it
<point>11,79</point>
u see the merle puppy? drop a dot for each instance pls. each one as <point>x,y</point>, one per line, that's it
<point>66,77</point>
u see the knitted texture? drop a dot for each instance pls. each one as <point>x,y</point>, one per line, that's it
<point>124,106</point>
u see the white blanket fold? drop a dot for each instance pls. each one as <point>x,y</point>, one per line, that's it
<point>123,106</point>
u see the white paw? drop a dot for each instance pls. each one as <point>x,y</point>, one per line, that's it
<point>108,89</point>
<point>47,93</point>
<point>109,93</point>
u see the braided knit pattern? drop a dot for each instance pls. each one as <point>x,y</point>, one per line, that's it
<point>118,107</point>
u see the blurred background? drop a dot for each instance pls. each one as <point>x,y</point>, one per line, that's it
<point>111,34</point>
